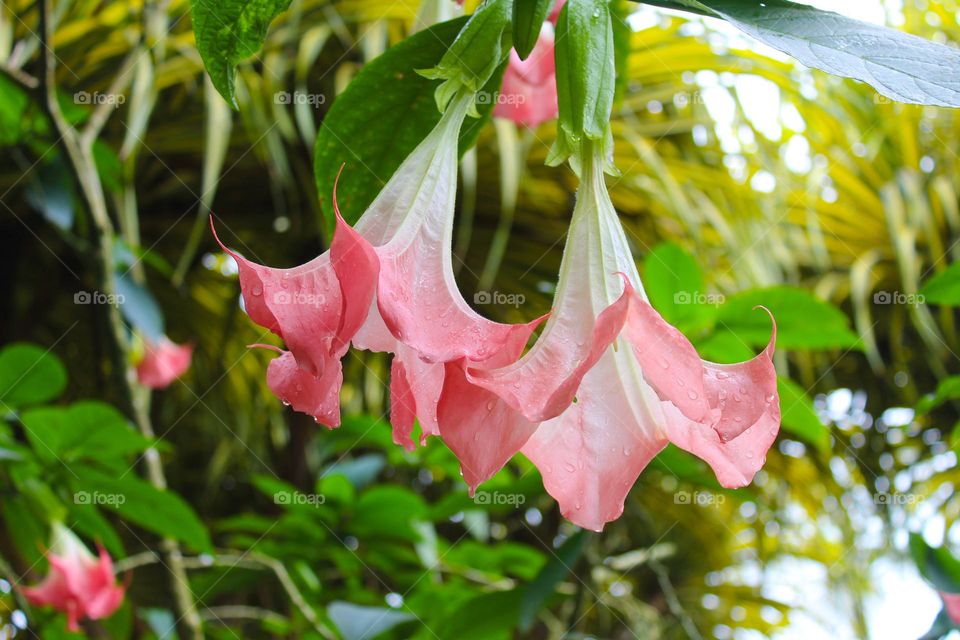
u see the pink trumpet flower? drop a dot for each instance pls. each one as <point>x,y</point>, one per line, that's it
<point>398,255</point>
<point>528,95</point>
<point>163,362</point>
<point>420,315</point>
<point>607,386</point>
<point>79,584</point>
<point>316,309</point>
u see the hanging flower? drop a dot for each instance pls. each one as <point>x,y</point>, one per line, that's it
<point>607,386</point>
<point>163,362</point>
<point>528,95</point>
<point>420,315</point>
<point>316,309</point>
<point>79,584</point>
<point>398,254</point>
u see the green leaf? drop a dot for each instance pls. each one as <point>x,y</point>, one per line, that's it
<point>381,117</point>
<point>136,501</point>
<point>537,593</point>
<point>140,308</point>
<point>528,17</point>
<point>803,320</point>
<point>356,622</point>
<point>228,32</point>
<point>29,375</point>
<point>943,288</point>
<point>490,616</point>
<point>898,65</point>
<point>586,77</point>
<point>14,105</point>
<point>798,416</point>
<point>936,564</point>
<point>947,390</point>
<point>86,430</point>
<point>388,511</point>
<point>674,283</point>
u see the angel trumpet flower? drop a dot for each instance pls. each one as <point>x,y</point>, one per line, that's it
<point>607,385</point>
<point>398,255</point>
<point>420,315</point>
<point>79,584</point>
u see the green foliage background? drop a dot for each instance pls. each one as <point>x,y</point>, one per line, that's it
<point>877,213</point>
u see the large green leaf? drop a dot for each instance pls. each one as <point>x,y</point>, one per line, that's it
<point>674,283</point>
<point>803,320</point>
<point>381,117</point>
<point>134,500</point>
<point>898,65</point>
<point>936,564</point>
<point>86,430</point>
<point>29,375</point>
<point>229,31</point>
<point>798,416</point>
<point>943,288</point>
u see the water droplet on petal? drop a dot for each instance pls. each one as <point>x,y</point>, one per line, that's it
<point>569,467</point>
<point>692,394</point>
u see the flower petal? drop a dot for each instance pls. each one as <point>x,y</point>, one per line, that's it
<point>163,363</point>
<point>482,431</point>
<point>411,225</point>
<point>728,415</point>
<point>306,393</point>
<point>592,454</point>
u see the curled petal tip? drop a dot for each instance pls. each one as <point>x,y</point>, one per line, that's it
<point>336,207</point>
<point>628,287</point>
<point>227,249</point>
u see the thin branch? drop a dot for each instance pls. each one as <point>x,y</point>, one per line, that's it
<point>79,153</point>
<point>103,110</point>
<point>19,77</point>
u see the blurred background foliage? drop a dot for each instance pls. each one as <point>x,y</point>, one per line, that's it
<point>756,180</point>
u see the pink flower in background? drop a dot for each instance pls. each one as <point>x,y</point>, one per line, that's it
<point>628,401</point>
<point>951,602</point>
<point>163,362</point>
<point>79,584</point>
<point>528,95</point>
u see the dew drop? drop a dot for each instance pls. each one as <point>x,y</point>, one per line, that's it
<point>692,394</point>
<point>569,467</point>
<point>489,407</point>
<point>257,290</point>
